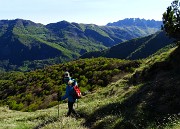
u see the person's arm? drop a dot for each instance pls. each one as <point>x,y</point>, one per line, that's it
<point>66,95</point>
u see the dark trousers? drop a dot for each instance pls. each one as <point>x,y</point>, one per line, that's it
<point>71,110</point>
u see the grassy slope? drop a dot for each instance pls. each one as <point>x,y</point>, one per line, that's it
<point>148,99</point>
<point>46,119</point>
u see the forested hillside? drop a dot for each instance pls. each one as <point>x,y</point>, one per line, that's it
<point>38,89</point>
<point>129,76</point>
<point>134,49</point>
<point>121,94</point>
<point>31,45</point>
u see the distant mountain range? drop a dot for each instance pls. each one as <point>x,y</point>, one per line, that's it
<point>134,49</point>
<point>137,22</point>
<point>23,41</point>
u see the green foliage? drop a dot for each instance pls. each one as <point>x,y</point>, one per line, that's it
<point>134,49</point>
<point>15,106</point>
<point>171,20</point>
<point>147,103</point>
<point>38,89</point>
<point>147,99</point>
<point>29,46</point>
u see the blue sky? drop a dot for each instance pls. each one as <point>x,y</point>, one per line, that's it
<point>98,12</point>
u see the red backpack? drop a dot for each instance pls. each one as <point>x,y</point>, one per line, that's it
<point>77,91</point>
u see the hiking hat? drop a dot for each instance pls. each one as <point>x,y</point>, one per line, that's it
<point>66,74</point>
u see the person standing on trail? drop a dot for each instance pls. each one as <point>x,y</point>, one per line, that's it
<point>69,94</point>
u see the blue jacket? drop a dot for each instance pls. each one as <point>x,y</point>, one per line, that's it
<point>69,94</point>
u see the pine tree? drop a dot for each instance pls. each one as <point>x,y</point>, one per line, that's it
<point>171,20</point>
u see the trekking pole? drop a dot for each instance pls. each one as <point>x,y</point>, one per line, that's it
<point>58,103</point>
<point>77,102</point>
<point>59,95</point>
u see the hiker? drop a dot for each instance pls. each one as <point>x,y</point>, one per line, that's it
<point>69,94</point>
<point>66,77</point>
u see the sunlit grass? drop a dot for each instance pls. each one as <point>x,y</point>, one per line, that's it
<point>47,119</point>
<point>169,122</point>
<point>104,108</point>
<point>113,94</point>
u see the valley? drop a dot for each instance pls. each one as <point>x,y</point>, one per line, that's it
<point>128,74</point>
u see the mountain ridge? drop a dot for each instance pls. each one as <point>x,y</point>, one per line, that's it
<point>23,40</point>
<point>137,22</point>
<point>134,49</point>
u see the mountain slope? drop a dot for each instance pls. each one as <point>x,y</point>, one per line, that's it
<point>23,40</point>
<point>147,98</point>
<point>135,48</point>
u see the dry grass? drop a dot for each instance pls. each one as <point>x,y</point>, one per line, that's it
<point>44,119</point>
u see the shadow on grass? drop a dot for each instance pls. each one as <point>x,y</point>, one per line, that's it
<point>126,110</point>
<point>150,104</point>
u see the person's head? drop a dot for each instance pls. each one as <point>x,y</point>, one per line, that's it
<point>66,77</point>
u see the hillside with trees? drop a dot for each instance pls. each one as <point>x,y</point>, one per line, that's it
<point>134,49</point>
<point>117,94</point>
<point>25,45</point>
<point>38,89</point>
